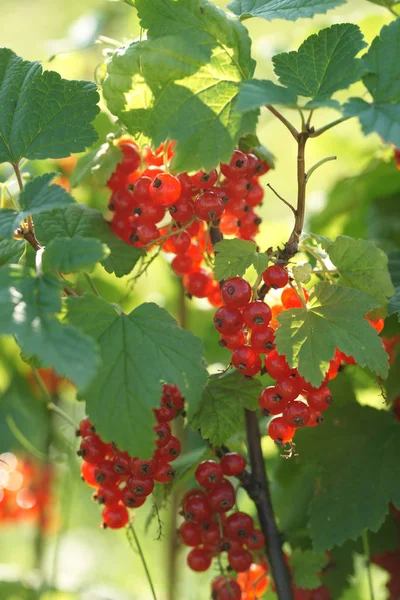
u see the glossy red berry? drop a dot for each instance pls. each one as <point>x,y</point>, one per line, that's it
<point>198,560</point>
<point>85,428</point>
<point>169,452</point>
<point>92,449</point>
<point>105,474</point>
<point>262,340</point>
<point>140,190</point>
<point>290,299</point>
<point>222,497</point>
<point>197,284</point>
<point>256,540</point>
<point>228,320</point>
<point>296,413</point>
<point>197,508</point>
<point>164,473</point>
<point>171,396</point>
<point>236,292</point>
<point>140,487</point>
<point>240,561</point>
<point>203,180</point>
<point>182,264</point>
<point>142,469</point>
<point>228,589</point>
<point>131,156</point>
<point>231,342</point>
<point>271,403</point>
<point>237,167</point>
<point>208,473</point>
<point>131,500</point>
<point>255,195</point>
<point>246,360</point>
<point>146,233</point>
<point>280,431</point>
<point>316,418</point>
<point>208,206</point>
<point>320,399</point>
<point>257,315</point>
<point>232,464</point>
<point>165,413</point>
<point>276,366</point>
<point>163,434</point>
<point>178,243</point>
<point>182,211</point>
<point>190,533</point>
<point>276,276</point>
<point>87,472</point>
<point>165,189</point>
<point>121,462</point>
<point>107,495</point>
<point>238,526</point>
<point>289,388</point>
<point>211,534</point>
<point>115,516</point>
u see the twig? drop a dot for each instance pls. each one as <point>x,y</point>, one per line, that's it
<point>318,164</point>
<point>91,285</point>
<point>292,244</point>
<point>292,208</point>
<point>322,130</point>
<point>283,119</point>
<point>18,175</point>
<point>131,530</point>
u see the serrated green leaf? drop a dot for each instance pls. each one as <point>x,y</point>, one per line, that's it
<point>307,566</point>
<point>80,221</point>
<point>392,383</point>
<point>139,351</point>
<point>37,197</point>
<point>71,255</point>
<point>383,119</point>
<point>24,419</point>
<point>363,266</point>
<point>220,414</point>
<point>324,63</point>
<point>182,82</point>
<point>234,257</point>
<point>98,164</point>
<point>28,305</point>
<point>383,77</point>
<point>334,318</point>
<point>291,10</point>
<point>43,115</point>
<point>11,251</point>
<point>366,442</point>
<point>259,92</point>
<point>250,142</point>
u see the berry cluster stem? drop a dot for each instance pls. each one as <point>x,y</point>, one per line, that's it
<point>293,242</point>
<point>259,492</point>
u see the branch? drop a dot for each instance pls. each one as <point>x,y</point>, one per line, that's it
<point>318,164</point>
<point>322,130</point>
<point>283,119</point>
<point>292,208</point>
<point>292,244</point>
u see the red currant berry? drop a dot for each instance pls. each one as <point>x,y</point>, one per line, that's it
<point>211,535</point>
<point>316,418</point>
<point>208,206</point>
<point>171,396</point>
<point>289,388</point>
<point>238,188</point>
<point>208,473</point>
<point>236,292</point>
<point>228,320</point>
<point>169,452</point>
<point>142,469</point>
<point>280,431</point>
<point>197,284</point>
<point>271,403</point>
<point>115,516</point>
<point>121,462</point>
<point>165,189</point>
<point>229,589</point>
<point>87,472</point>
<point>222,497</point>
<point>140,487</point>
<point>199,560</point>
<point>276,276</point>
<point>257,315</point>
<point>182,264</point>
<point>320,399</point>
<point>107,495</point>
<point>197,508</point>
<point>164,414</point>
<point>203,180</point>
<point>262,340</point>
<point>85,428</point>
<point>237,167</point>
<point>246,361</point>
<point>105,474</point>
<point>240,561</point>
<point>255,195</point>
<point>296,414</point>
<point>190,533</point>
<point>231,342</point>
<point>163,434</point>
<point>140,190</point>
<point>92,449</point>
<point>277,366</point>
<point>164,473</point>
<point>131,500</point>
<point>290,299</point>
<point>232,464</point>
<point>182,211</point>
<point>238,526</point>
<point>178,243</point>
<point>256,540</point>
<point>147,212</point>
<point>131,156</point>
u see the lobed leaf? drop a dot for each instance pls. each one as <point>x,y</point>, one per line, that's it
<point>307,566</point>
<point>291,10</point>
<point>71,255</point>
<point>234,257</point>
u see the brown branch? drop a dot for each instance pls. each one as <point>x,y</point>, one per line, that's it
<point>292,244</point>
<point>292,208</point>
<point>283,120</point>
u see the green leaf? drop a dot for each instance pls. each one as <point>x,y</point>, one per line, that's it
<point>77,221</point>
<point>43,115</point>
<point>291,10</point>
<point>36,197</point>
<point>383,119</point>
<point>362,266</point>
<point>364,465</point>
<point>234,257</point>
<point>24,419</point>
<point>307,565</point>
<point>392,383</point>
<point>71,255</point>
<point>334,318</point>
<point>182,82</point>
<point>394,269</point>
<point>259,92</point>
<point>139,351</point>
<point>28,305</point>
<point>98,164</point>
<point>324,63</point>
<point>220,414</point>
<point>11,251</point>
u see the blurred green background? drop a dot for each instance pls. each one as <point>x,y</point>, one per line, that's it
<point>80,559</point>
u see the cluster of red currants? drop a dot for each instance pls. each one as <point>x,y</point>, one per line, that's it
<point>397,157</point>
<point>122,481</point>
<point>210,531</point>
<point>152,207</point>
<point>247,328</point>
